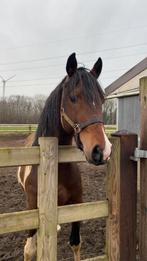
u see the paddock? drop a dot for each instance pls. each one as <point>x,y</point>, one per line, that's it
<point>119,206</point>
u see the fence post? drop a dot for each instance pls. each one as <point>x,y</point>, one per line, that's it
<point>47,199</point>
<point>30,128</point>
<point>143,171</point>
<point>122,197</point>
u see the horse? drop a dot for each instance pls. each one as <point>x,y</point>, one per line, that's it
<point>73,109</point>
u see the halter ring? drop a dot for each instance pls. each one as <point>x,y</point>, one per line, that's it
<point>77,128</point>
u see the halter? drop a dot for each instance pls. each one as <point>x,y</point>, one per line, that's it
<point>78,127</point>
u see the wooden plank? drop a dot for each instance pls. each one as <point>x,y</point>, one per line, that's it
<point>112,232</point>
<point>25,220</point>
<point>122,195</point>
<point>47,200</point>
<point>143,171</point>
<point>19,156</point>
<point>70,154</point>
<point>17,221</point>
<point>97,258</point>
<point>30,155</point>
<point>84,211</point>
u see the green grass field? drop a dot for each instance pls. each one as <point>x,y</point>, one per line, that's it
<point>28,128</point>
<point>12,128</point>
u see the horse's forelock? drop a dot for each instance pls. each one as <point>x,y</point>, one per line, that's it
<point>91,87</point>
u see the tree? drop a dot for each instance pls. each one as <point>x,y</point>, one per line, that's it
<point>109,111</point>
<point>21,109</point>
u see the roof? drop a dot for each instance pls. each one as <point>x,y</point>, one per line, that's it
<point>138,68</point>
<point>135,92</point>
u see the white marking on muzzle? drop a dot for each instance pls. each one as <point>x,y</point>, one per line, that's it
<point>108,146</point>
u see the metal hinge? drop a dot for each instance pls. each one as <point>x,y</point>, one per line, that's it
<point>139,154</point>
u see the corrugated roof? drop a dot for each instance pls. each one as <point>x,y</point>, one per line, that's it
<point>138,68</point>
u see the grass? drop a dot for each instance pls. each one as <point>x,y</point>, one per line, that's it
<point>13,128</point>
<point>28,128</point>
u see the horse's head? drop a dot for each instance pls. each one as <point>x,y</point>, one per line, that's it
<point>81,110</point>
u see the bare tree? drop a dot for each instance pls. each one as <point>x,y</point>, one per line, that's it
<point>109,111</point>
<point>21,109</point>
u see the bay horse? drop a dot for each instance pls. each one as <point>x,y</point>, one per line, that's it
<point>73,109</point>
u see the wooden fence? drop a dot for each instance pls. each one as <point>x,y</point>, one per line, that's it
<point>119,207</point>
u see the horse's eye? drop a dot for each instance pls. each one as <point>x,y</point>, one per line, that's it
<point>73,99</point>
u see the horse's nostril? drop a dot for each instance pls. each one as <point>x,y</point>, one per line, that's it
<point>97,155</point>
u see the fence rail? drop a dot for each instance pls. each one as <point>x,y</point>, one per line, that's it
<point>21,156</point>
<point>25,220</point>
<point>98,258</point>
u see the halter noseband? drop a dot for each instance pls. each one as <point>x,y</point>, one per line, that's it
<point>78,127</point>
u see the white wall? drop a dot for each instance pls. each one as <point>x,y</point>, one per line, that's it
<point>128,114</point>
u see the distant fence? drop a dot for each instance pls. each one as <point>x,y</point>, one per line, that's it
<point>15,128</point>
<point>119,207</point>
<point>29,128</point>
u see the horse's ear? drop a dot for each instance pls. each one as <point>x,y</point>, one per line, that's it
<point>97,68</point>
<point>71,65</point>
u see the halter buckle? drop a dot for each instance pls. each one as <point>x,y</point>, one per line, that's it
<point>77,128</point>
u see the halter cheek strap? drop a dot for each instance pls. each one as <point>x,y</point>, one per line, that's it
<point>78,127</point>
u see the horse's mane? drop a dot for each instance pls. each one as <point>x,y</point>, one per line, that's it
<point>91,88</point>
<point>49,123</point>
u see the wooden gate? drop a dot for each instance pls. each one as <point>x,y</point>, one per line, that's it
<point>119,207</point>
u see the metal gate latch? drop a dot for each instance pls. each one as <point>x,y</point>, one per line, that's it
<point>139,154</point>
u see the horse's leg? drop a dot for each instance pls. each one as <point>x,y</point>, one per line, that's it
<point>76,197</point>
<point>75,240</point>
<point>70,192</point>
<point>30,248</point>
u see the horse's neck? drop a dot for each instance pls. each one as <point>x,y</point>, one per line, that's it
<point>65,139</point>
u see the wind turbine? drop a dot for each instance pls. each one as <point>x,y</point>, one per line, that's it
<point>4,81</point>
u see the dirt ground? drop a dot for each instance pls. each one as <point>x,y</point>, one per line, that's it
<point>13,199</point>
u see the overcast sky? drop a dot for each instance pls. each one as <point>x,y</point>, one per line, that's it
<point>37,36</point>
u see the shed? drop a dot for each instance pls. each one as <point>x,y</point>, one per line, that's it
<point>126,90</point>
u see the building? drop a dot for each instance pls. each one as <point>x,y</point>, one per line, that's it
<point>126,90</point>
